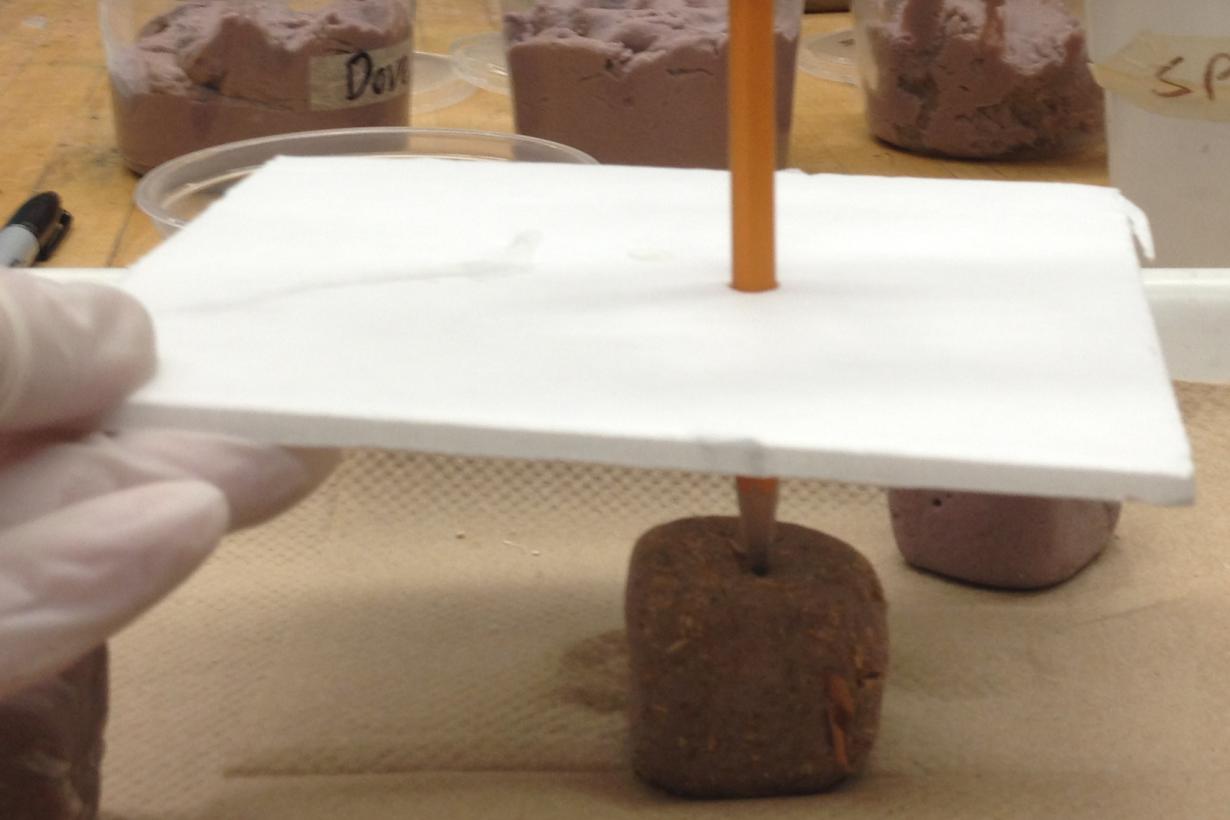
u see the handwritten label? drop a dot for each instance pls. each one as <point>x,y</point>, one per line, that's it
<point>360,78</point>
<point>1186,77</point>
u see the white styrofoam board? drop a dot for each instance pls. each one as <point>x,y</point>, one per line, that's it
<point>1190,307</point>
<point>928,340</point>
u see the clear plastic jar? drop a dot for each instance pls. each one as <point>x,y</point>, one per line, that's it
<point>190,74</point>
<point>635,82</point>
<point>978,78</point>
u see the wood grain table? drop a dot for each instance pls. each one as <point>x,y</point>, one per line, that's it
<point>56,129</point>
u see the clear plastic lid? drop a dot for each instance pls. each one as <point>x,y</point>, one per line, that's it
<point>830,56</point>
<point>437,83</point>
<point>479,59</point>
<point>176,192</point>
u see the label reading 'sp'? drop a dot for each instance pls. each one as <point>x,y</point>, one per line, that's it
<point>1186,77</point>
<point>360,78</point>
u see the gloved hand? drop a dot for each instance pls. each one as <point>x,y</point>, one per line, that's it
<point>96,528</point>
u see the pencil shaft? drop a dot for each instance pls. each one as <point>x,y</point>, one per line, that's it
<point>753,143</point>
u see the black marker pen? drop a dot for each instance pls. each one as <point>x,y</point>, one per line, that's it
<point>34,231</point>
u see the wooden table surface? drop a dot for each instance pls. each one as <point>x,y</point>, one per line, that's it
<point>56,129</point>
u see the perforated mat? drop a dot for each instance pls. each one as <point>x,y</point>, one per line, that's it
<point>436,637</point>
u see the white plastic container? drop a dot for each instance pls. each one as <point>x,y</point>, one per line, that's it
<point>1166,68</point>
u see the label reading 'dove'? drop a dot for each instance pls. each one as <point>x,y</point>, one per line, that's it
<point>1186,77</point>
<point>360,78</point>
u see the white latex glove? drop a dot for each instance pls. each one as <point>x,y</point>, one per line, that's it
<point>94,528</point>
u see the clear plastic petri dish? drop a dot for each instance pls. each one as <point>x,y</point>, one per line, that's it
<point>437,83</point>
<point>830,57</point>
<point>479,59</point>
<point>177,191</point>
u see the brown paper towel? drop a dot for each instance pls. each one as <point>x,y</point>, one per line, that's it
<point>431,637</point>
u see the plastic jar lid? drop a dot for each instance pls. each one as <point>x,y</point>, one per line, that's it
<point>177,191</point>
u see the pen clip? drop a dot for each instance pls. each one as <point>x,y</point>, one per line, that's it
<point>54,236</point>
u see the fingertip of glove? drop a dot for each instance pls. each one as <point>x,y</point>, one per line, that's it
<point>123,330</point>
<point>165,527</point>
<point>318,464</point>
<point>287,477</point>
<point>80,574</point>
<point>258,480</point>
<point>72,350</point>
<point>196,510</point>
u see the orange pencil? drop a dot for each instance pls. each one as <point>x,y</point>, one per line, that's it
<point>753,143</point>
<point>753,160</point>
<point>757,519</point>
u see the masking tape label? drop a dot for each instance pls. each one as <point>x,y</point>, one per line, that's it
<point>360,78</point>
<point>1185,77</point>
